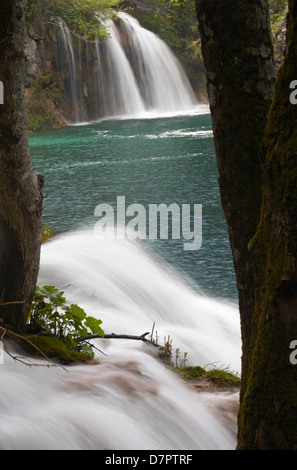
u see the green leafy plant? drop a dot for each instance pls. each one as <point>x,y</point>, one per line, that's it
<point>40,100</point>
<point>221,377</point>
<point>82,16</point>
<point>70,323</point>
<point>47,233</point>
<point>166,350</point>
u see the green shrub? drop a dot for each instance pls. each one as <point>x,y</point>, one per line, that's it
<point>83,16</point>
<point>40,98</point>
<point>68,323</point>
<point>47,233</point>
<point>222,377</point>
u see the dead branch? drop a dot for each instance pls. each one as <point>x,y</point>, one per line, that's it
<point>22,359</point>
<point>95,347</point>
<point>114,336</point>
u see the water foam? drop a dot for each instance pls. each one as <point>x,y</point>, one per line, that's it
<point>129,400</point>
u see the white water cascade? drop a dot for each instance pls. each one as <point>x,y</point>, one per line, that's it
<point>69,51</point>
<point>130,400</point>
<point>120,82</point>
<point>135,73</point>
<point>161,77</point>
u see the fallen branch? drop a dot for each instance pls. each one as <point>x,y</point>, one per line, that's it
<point>114,336</point>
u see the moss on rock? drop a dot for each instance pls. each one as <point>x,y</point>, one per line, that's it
<point>221,377</point>
<point>53,348</point>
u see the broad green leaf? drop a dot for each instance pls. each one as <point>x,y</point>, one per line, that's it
<point>83,332</point>
<point>87,349</point>
<point>77,312</point>
<point>93,324</point>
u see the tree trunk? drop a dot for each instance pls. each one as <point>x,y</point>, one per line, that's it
<point>255,150</point>
<point>240,75</point>
<point>268,414</point>
<point>20,188</point>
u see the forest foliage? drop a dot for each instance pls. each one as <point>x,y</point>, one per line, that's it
<point>85,17</point>
<point>277,12</point>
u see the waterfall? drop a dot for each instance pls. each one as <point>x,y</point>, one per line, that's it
<point>71,61</point>
<point>124,95</point>
<point>161,77</point>
<point>129,400</point>
<point>135,74</point>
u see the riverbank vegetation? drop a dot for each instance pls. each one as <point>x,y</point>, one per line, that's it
<point>85,17</point>
<point>201,378</point>
<point>42,103</point>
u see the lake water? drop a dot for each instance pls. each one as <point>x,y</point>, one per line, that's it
<point>130,400</point>
<point>149,161</point>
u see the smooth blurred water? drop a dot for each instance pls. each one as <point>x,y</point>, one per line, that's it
<point>149,161</point>
<point>130,399</point>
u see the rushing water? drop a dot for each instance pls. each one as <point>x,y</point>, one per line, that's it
<point>130,400</point>
<point>149,161</point>
<point>134,73</point>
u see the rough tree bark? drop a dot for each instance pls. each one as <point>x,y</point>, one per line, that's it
<point>20,188</point>
<point>268,415</point>
<point>257,176</point>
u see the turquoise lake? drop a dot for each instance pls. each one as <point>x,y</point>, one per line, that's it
<point>149,161</point>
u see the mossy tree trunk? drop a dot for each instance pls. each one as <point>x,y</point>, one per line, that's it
<point>268,413</point>
<point>256,153</point>
<point>20,188</point>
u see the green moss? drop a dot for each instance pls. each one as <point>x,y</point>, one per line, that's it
<point>190,372</point>
<point>39,122</point>
<point>220,377</point>
<point>40,100</point>
<point>53,347</point>
<point>47,233</point>
<point>271,385</point>
<point>223,377</point>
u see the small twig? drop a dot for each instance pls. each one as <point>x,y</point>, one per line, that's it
<point>114,336</point>
<point>17,358</point>
<point>95,347</point>
<point>153,327</point>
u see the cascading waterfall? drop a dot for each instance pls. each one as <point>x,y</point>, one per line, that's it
<point>134,73</point>
<point>124,96</point>
<point>164,84</point>
<point>129,400</point>
<point>69,51</point>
